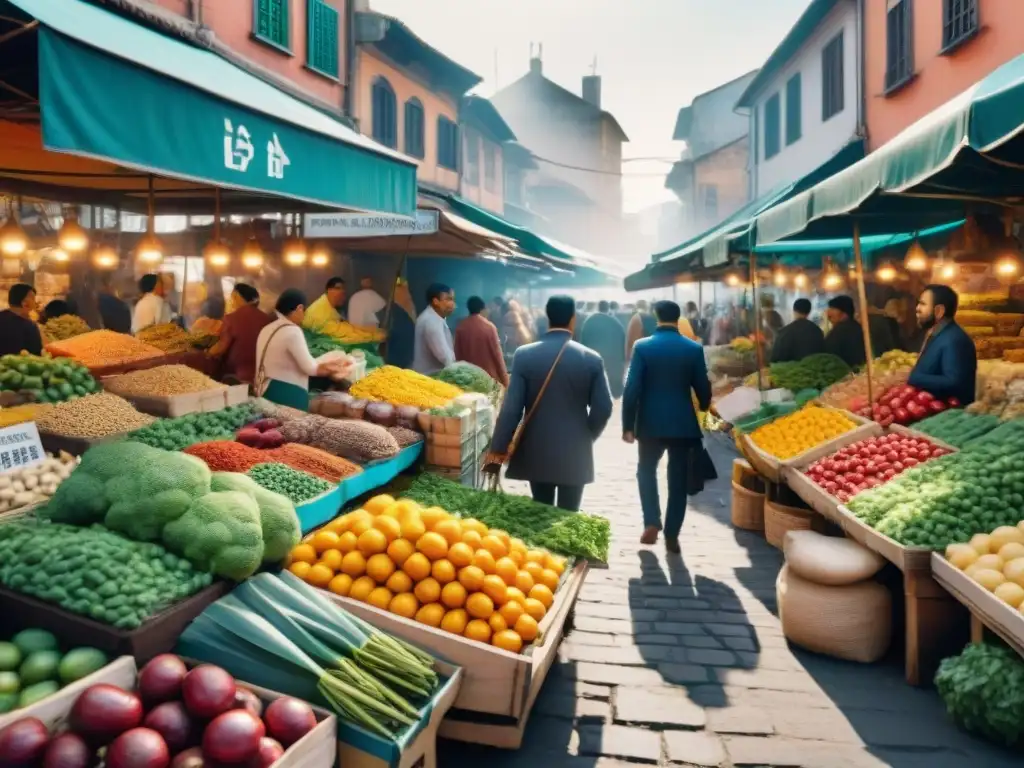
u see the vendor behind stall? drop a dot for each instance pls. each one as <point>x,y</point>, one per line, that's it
<point>801,338</point>
<point>53,310</point>
<point>434,348</point>
<point>236,347</point>
<point>948,363</point>
<point>152,308</point>
<point>326,309</point>
<point>17,331</point>
<point>365,304</point>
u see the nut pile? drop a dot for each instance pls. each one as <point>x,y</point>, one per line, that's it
<point>404,436</point>
<point>92,416</point>
<point>161,381</point>
<point>291,483</point>
<point>170,337</point>
<point>334,469</point>
<point>98,349</point>
<point>358,441</point>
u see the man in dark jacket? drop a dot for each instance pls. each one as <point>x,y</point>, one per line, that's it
<point>606,336</point>
<point>846,339</point>
<point>800,338</point>
<point>18,332</point>
<point>657,410</point>
<point>948,363</point>
<point>556,448</point>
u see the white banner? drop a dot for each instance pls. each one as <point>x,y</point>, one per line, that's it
<point>20,447</point>
<point>327,225</point>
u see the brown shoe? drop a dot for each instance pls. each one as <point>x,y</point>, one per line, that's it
<point>650,535</point>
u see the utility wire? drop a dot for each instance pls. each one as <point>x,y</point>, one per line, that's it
<point>602,172</point>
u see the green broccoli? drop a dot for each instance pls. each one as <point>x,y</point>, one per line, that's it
<point>281,530</point>
<point>220,533</point>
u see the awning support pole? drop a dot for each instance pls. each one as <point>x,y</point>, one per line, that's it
<point>862,296</point>
<point>394,287</point>
<point>758,346</point>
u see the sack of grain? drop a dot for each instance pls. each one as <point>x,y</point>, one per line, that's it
<point>852,622</point>
<point>829,560</point>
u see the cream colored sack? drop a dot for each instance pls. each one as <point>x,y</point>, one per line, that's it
<point>829,560</point>
<point>852,622</point>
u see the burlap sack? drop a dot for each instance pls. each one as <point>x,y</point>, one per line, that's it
<point>852,622</point>
<point>829,560</point>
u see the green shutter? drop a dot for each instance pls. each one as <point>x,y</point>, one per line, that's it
<point>270,22</point>
<point>322,37</point>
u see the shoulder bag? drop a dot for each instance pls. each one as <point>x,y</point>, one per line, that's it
<point>259,381</point>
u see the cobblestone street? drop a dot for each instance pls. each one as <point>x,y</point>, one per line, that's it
<point>680,660</point>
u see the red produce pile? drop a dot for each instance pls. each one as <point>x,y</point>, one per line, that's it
<point>905,405</point>
<point>869,463</point>
<point>227,456</point>
<point>262,434</point>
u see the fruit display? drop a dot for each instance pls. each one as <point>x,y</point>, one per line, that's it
<point>178,434</point>
<point>764,414</point>
<point>995,560</point>
<point>400,386</point>
<point>351,439</point>
<point>765,379</point>
<point>798,432</point>
<point>571,534</point>
<point>742,344</point>
<point>64,327</point>
<point>94,572</point>
<point>25,486</point>
<point>427,565</point>
<point>278,630</point>
<point>293,484</point>
<point>813,372</point>
<point>99,349</point>
<point>851,393</point>
<point>957,427</point>
<point>1000,389</point>
<point>176,716</point>
<point>468,378</point>
<point>91,417</point>
<point>46,379</point>
<point>895,360</point>
<point>161,381</point>
<point>983,690</point>
<point>169,337</point>
<point>906,405</point>
<point>869,463</point>
<point>33,666</point>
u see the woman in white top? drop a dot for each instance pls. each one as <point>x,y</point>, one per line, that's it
<point>283,361</point>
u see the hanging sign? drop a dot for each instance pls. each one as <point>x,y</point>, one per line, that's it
<point>369,224</point>
<point>20,447</point>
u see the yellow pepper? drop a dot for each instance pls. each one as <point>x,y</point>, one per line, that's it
<point>400,386</point>
<point>798,432</point>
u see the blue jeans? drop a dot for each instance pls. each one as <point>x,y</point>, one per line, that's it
<point>651,451</point>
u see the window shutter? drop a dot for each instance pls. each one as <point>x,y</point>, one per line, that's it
<point>322,37</point>
<point>270,21</point>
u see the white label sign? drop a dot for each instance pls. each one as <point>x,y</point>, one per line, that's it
<point>369,224</point>
<point>20,447</point>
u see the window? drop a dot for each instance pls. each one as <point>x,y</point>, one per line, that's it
<point>472,166</point>
<point>793,127</point>
<point>322,37</point>
<point>832,78</point>
<point>771,127</point>
<point>414,144</point>
<point>270,22</point>
<point>899,49</point>
<point>447,144</point>
<point>959,22</point>
<point>385,117</point>
<point>709,202</point>
<point>490,167</point>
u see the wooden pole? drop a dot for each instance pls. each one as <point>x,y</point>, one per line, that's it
<point>758,347</point>
<point>864,316</point>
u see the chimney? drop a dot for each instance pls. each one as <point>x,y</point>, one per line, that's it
<point>536,63</point>
<point>592,89</point>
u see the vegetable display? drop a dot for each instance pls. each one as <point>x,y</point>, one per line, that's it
<point>468,378</point>
<point>851,393</point>
<point>94,572</point>
<point>347,333</point>
<point>573,534</point>
<point>400,386</point>
<point>291,483</point>
<point>264,433</point>
<point>36,484</point>
<point>983,690</point>
<point>798,432</point>
<point>995,560</point>
<point>44,378</point>
<point>98,349</point>
<point>178,434</point>
<point>305,458</point>
<point>64,327</point>
<point>33,667</point>
<point>91,417</point>
<point>957,427</point>
<point>357,441</point>
<point>813,372</point>
<point>161,381</point>
<point>906,405</point>
<point>169,337</point>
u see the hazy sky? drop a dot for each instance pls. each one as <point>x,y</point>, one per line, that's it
<point>654,56</point>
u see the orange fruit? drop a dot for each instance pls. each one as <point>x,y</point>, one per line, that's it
<point>304,553</point>
<point>535,608</point>
<point>433,545</point>
<point>341,584</point>
<point>534,569</point>
<point>347,542</point>
<point>478,630</point>
<point>479,606</point>
<point>502,535</point>
<point>515,595</point>
<point>472,524</point>
<point>399,551</point>
<point>542,593</point>
<point>549,579</point>
<point>508,640</point>
<point>443,571</point>
<point>495,588</point>
<point>461,554</point>
<point>407,506</point>
<point>361,524</point>
<point>472,578</point>
<point>511,611</point>
<point>300,568</point>
<point>332,559</point>
<point>431,516</point>
<point>379,567</point>
<point>472,538</point>
<point>484,560</point>
<point>450,529</point>
<point>378,504</point>
<point>453,595</point>
<point>338,525</point>
<point>428,590</point>
<point>517,545</point>
<point>430,614</point>
<point>361,588</point>
<point>497,622</point>
<point>399,582</point>
<point>389,526</point>
<point>524,582</point>
<point>555,563</point>
<point>319,575</point>
<point>519,558</point>
<point>380,598</point>
<point>507,569</point>
<point>526,628</point>
<point>494,545</point>
<point>404,604</point>
<point>455,621</point>
<point>537,556</point>
<point>417,566</point>
<point>372,542</point>
<point>324,540</point>
<point>411,526</point>
<point>354,564</point>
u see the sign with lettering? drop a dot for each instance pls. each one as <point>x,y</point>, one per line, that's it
<point>369,224</point>
<point>20,447</point>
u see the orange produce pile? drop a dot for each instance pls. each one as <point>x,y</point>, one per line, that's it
<point>98,349</point>
<point>427,565</point>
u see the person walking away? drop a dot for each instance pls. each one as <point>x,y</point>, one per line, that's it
<point>326,309</point>
<point>559,391</point>
<point>401,332</point>
<point>476,342</point>
<point>239,332</point>
<point>18,332</point>
<point>433,348</point>
<point>115,314</point>
<point>657,412</point>
<point>845,339</point>
<point>800,339</point>
<point>948,364</point>
<point>151,309</point>
<point>620,316</point>
<point>603,334</point>
<point>365,304</point>
<point>641,325</point>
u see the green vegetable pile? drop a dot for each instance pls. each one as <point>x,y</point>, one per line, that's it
<point>32,668</point>
<point>983,689</point>
<point>566,533</point>
<point>290,483</point>
<point>184,431</point>
<point>46,379</point>
<point>320,344</point>
<point>93,571</point>
<point>468,378</point>
<point>813,372</point>
<point>958,427</point>
<point>766,413</point>
<point>953,497</point>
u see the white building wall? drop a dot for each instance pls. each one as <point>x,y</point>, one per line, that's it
<point>819,140</point>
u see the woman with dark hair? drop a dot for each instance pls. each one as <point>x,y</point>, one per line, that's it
<point>236,347</point>
<point>56,308</point>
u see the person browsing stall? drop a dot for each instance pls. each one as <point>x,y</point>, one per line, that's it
<point>17,330</point>
<point>948,363</point>
<point>152,309</point>
<point>239,332</point>
<point>433,345</point>
<point>801,338</point>
<point>476,342</point>
<point>365,304</point>
<point>326,309</point>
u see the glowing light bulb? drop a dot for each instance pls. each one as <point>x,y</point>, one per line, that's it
<point>149,250</point>
<point>13,240</point>
<point>886,273</point>
<point>72,238</point>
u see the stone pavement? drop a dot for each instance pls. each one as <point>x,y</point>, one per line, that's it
<point>680,660</point>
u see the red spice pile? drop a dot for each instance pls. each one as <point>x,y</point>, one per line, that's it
<point>305,458</point>
<point>228,456</point>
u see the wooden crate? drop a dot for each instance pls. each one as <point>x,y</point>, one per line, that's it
<point>907,559</point>
<point>172,406</point>
<point>987,610</point>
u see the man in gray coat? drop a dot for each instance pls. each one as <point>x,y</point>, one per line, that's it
<point>555,452</point>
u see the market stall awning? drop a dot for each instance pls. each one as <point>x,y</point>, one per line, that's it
<point>966,152</point>
<point>528,241</point>
<point>114,91</point>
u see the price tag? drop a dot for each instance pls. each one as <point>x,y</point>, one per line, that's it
<point>20,447</point>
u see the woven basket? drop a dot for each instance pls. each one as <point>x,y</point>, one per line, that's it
<point>779,519</point>
<point>747,508</point>
<point>767,467</point>
<point>740,469</point>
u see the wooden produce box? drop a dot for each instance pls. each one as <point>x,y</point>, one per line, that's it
<point>905,558</point>
<point>172,406</point>
<point>987,610</point>
<point>76,446</point>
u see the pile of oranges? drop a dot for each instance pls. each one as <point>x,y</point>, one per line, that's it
<point>442,571</point>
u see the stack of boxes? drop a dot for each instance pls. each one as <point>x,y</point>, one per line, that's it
<point>456,444</point>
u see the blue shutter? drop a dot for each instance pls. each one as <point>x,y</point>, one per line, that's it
<point>270,21</point>
<point>322,37</point>
<point>794,129</point>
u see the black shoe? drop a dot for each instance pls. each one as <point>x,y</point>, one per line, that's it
<point>672,545</point>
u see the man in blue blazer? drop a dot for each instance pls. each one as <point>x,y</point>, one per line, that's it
<point>657,411</point>
<point>948,363</point>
